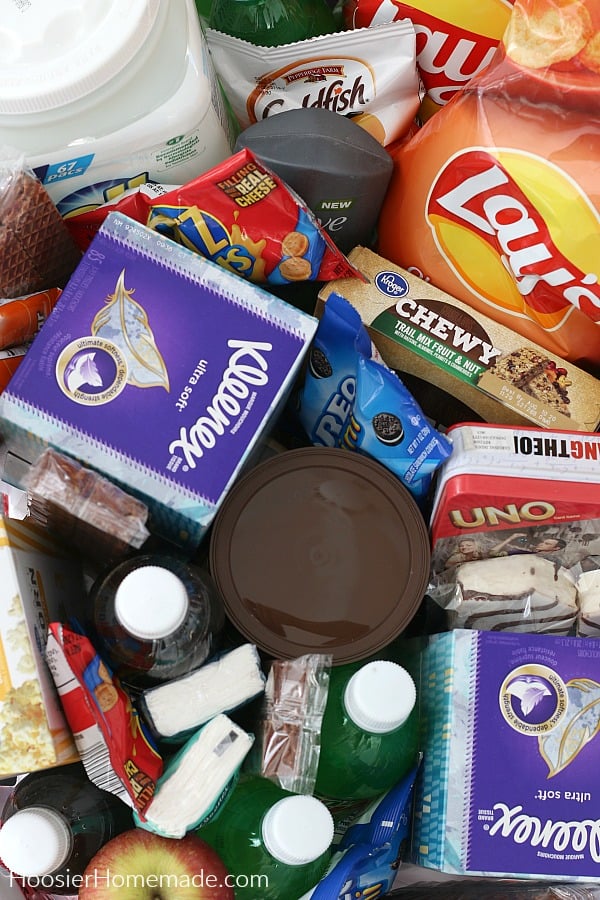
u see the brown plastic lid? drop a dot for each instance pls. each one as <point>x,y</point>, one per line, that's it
<point>320,551</point>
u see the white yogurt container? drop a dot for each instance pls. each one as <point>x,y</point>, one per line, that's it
<point>103,95</point>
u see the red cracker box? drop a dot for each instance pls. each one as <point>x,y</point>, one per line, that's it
<point>509,490</point>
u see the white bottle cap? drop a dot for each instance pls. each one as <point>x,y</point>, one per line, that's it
<point>380,696</point>
<point>297,830</point>
<point>58,52</point>
<point>35,841</point>
<point>151,603</point>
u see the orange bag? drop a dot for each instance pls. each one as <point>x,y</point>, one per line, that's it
<point>496,199</point>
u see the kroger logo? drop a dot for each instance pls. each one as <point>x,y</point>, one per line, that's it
<point>391,284</point>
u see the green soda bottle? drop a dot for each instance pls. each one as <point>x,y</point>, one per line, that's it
<point>369,733</point>
<point>270,23</point>
<point>277,842</point>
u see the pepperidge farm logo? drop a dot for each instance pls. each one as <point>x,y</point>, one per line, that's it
<point>342,85</point>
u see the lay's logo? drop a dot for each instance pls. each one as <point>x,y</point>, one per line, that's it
<point>454,40</point>
<point>519,233</point>
<point>449,56</point>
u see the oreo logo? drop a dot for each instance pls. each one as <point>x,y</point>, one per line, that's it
<point>388,428</point>
<point>391,284</point>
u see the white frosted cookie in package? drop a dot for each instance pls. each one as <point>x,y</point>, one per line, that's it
<point>369,74</point>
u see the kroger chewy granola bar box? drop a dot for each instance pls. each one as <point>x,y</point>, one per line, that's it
<point>452,351</point>
<point>510,782</point>
<point>159,369</point>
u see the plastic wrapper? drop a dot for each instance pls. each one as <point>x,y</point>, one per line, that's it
<point>455,40</point>
<point>36,248</point>
<point>289,725</point>
<point>495,200</point>
<point>112,741</point>
<point>22,318</point>
<point>366,861</point>
<point>586,574</point>
<point>477,889</point>
<point>351,399</point>
<point>525,592</point>
<point>10,360</point>
<point>197,779</point>
<point>82,507</point>
<point>242,216</point>
<point>181,705</point>
<point>369,74</point>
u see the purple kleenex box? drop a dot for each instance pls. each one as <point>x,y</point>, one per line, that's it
<point>160,370</point>
<point>510,781</point>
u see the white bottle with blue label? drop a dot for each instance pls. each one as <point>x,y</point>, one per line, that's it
<point>104,95</point>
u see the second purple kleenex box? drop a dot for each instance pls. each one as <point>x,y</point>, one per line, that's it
<point>510,781</point>
<point>160,370</point>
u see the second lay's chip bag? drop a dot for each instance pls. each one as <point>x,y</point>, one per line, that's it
<point>351,399</point>
<point>456,40</point>
<point>496,200</point>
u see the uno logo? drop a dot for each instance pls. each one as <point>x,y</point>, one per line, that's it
<point>503,221</point>
<point>391,284</point>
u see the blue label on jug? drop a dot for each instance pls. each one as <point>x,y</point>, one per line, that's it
<point>69,168</point>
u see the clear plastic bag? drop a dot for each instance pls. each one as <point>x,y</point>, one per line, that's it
<point>525,592</point>
<point>476,889</point>
<point>289,726</point>
<point>36,248</point>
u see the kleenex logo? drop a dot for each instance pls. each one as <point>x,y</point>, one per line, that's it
<point>572,837</point>
<point>247,367</point>
<point>391,284</point>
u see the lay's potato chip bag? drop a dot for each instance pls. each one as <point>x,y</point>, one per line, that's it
<point>496,200</point>
<point>455,40</point>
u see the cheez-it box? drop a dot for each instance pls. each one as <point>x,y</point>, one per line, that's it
<point>438,344</point>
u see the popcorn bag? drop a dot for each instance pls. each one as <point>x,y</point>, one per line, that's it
<point>35,581</point>
<point>496,199</point>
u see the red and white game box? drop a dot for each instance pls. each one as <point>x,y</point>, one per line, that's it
<point>508,490</point>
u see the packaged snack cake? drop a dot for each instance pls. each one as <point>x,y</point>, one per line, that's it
<point>496,199</point>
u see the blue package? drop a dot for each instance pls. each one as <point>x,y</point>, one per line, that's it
<point>370,851</point>
<point>351,399</point>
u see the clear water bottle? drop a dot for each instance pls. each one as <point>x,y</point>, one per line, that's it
<point>369,733</point>
<point>54,822</point>
<point>283,839</point>
<point>270,23</point>
<point>154,618</point>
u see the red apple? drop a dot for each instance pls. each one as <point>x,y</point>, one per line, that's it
<point>141,865</point>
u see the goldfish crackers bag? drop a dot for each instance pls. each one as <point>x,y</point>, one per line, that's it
<point>496,199</point>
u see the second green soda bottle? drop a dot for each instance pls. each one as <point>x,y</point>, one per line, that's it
<point>270,23</point>
<point>283,839</point>
<point>369,733</point>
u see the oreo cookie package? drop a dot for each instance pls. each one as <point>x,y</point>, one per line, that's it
<point>351,399</point>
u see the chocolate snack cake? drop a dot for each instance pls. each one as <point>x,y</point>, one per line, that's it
<point>36,248</point>
<point>83,508</point>
<point>525,592</point>
<point>535,374</point>
<point>588,601</point>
